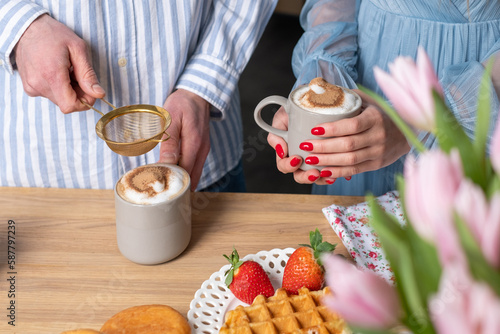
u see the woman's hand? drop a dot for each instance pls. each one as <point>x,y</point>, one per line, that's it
<point>363,143</point>
<point>284,163</point>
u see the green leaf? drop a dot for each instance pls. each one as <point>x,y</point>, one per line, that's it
<point>319,246</point>
<point>326,247</point>
<point>425,255</point>
<point>235,262</point>
<point>451,135</point>
<point>449,131</point>
<point>386,226</point>
<point>408,255</point>
<point>229,277</point>
<point>494,185</point>
<point>483,111</point>
<point>479,266</point>
<point>315,238</point>
<point>425,260</point>
<point>394,116</point>
<point>360,330</point>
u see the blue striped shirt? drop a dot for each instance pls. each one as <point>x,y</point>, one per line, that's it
<point>141,52</point>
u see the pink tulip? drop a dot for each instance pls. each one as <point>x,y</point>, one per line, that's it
<point>409,87</point>
<point>463,305</point>
<point>431,185</point>
<point>483,219</point>
<point>362,298</point>
<point>495,148</point>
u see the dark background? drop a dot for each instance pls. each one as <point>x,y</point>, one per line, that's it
<point>269,72</point>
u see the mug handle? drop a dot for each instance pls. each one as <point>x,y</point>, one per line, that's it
<point>274,99</point>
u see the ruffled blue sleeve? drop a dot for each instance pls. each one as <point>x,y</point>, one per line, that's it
<point>328,47</point>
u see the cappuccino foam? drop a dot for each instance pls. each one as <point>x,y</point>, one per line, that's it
<point>151,184</point>
<point>324,98</point>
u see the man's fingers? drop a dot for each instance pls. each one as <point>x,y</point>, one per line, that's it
<point>83,71</point>
<point>170,149</point>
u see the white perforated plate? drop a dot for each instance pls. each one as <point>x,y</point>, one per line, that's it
<point>214,299</point>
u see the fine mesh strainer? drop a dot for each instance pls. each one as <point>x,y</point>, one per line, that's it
<point>132,130</point>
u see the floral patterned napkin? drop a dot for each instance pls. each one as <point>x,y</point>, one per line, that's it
<point>352,226</point>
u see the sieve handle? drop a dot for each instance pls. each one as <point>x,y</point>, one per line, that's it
<point>109,104</point>
<point>163,139</point>
<point>91,107</point>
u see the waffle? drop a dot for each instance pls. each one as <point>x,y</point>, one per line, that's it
<point>281,313</point>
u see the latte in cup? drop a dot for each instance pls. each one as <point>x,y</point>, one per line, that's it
<point>325,98</point>
<point>152,184</point>
<point>153,213</point>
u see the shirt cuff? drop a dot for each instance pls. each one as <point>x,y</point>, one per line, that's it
<point>212,79</point>
<point>21,14</point>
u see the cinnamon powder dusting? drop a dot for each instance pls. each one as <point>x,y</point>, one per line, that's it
<point>333,96</point>
<point>143,178</point>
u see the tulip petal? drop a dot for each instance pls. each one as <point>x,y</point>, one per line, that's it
<point>428,78</point>
<point>362,298</point>
<point>413,200</point>
<point>471,205</point>
<point>463,305</point>
<point>399,98</point>
<point>426,70</point>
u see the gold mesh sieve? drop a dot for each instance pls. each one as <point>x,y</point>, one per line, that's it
<point>132,130</point>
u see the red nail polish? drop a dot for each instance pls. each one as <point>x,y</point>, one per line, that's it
<point>312,160</point>
<point>348,178</point>
<point>279,151</point>
<point>295,162</point>
<point>325,173</point>
<point>305,146</point>
<point>312,178</point>
<point>318,131</point>
<point>330,181</point>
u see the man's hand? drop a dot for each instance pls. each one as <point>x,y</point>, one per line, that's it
<point>55,63</point>
<point>189,132</point>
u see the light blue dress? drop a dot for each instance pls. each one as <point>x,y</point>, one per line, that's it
<point>458,37</point>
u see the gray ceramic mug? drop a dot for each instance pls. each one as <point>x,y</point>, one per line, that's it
<point>300,122</point>
<point>154,233</point>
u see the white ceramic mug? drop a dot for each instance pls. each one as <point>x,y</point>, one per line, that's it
<point>154,233</point>
<point>300,122</point>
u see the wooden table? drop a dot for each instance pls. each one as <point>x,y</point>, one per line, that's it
<point>69,273</point>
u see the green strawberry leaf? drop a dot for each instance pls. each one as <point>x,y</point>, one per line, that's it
<point>319,246</point>
<point>229,277</point>
<point>315,238</point>
<point>235,262</point>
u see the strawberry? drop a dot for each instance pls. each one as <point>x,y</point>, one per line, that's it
<point>304,268</point>
<point>247,279</point>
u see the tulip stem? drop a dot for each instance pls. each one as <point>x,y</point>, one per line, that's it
<point>400,123</point>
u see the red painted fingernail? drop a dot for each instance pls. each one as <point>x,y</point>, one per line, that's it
<point>312,178</point>
<point>312,160</point>
<point>325,173</point>
<point>295,162</point>
<point>279,151</point>
<point>330,181</point>
<point>318,131</point>
<point>348,178</point>
<point>305,146</point>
